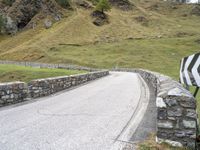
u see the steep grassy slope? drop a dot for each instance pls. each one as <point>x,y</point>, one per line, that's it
<point>154,35</point>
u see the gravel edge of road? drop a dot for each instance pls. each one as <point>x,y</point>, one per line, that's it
<point>148,123</point>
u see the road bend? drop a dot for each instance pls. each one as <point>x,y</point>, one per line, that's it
<point>100,115</point>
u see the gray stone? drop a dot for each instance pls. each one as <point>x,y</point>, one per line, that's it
<point>180,134</point>
<point>165,124</point>
<point>188,103</point>
<point>173,143</point>
<point>162,114</point>
<point>189,124</point>
<point>162,94</point>
<point>5,97</point>
<point>48,24</point>
<point>171,102</point>
<point>171,118</point>
<point>174,112</point>
<point>191,144</point>
<point>191,113</point>
<point>160,103</point>
<point>179,92</point>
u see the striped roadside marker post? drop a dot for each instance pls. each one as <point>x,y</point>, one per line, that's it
<point>190,71</point>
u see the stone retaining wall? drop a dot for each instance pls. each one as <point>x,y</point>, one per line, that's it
<point>176,110</point>
<point>46,65</point>
<point>45,87</point>
<point>15,92</point>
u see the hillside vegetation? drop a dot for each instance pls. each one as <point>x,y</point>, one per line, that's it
<point>152,34</point>
<point>10,73</point>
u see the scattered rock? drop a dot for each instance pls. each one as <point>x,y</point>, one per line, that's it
<point>153,7</point>
<point>183,34</point>
<point>173,143</point>
<point>143,20</point>
<point>100,18</point>
<point>122,4</point>
<point>83,4</point>
<point>48,24</point>
<point>184,15</point>
<point>196,10</point>
<point>57,17</point>
<point>197,41</point>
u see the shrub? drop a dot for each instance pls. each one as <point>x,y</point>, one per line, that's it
<point>94,1</point>
<point>63,3</point>
<point>1,23</point>
<point>8,2</point>
<point>103,5</point>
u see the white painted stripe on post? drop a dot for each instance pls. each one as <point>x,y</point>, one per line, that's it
<point>186,69</point>
<point>195,72</point>
<point>181,74</point>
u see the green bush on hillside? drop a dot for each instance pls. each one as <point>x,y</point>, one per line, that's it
<point>94,1</point>
<point>63,3</point>
<point>1,23</point>
<point>8,2</point>
<point>103,5</point>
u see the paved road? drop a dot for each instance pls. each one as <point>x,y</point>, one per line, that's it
<point>101,115</point>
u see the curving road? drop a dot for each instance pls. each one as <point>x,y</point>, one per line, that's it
<point>101,115</point>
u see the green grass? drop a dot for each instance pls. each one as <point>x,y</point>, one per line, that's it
<point>161,55</point>
<point>10,73</point>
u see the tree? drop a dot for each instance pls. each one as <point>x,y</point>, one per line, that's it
<point>8,2</point>
<point>63,3</point>
<point>103,5</point>
<point>1,23</point>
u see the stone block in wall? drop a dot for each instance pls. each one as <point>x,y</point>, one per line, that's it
<point>13,92</point>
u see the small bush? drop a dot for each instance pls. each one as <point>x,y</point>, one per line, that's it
<point>95,2</point>
<point>103,5</point>
<point>1,23</point>
<point>63,3</point>
<point>8,2</point>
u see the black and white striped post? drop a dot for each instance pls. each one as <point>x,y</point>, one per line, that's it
<point>190,71</point>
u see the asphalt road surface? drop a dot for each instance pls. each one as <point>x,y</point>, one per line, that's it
<point>100,115</point>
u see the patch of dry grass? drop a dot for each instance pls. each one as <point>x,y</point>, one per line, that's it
<point>150,144</point>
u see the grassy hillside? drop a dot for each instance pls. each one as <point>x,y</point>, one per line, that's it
<point>10,73</point>
<point>154,35</point>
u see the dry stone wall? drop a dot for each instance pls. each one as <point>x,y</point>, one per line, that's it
<point>45,87</point>
<point>176,110</point>
<point>15,92</point>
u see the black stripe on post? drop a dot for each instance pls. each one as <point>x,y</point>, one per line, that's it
<point>184,79</point>
<point>190,69</point>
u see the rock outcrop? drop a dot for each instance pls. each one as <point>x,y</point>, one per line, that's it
<point>122,4</point>
<point>100,18</point>
<point>21,13</point>
<point>196,10</point>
